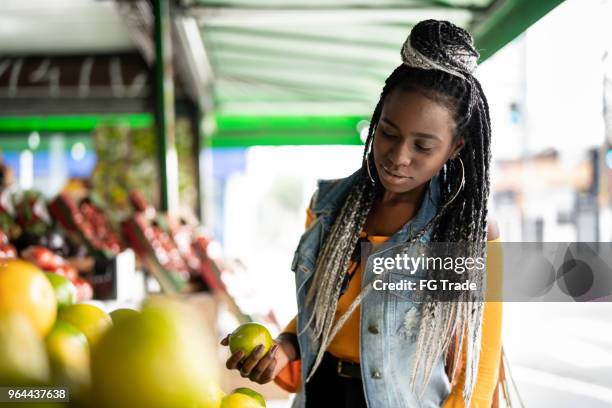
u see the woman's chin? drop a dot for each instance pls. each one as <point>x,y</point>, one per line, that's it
<point>402,186</point>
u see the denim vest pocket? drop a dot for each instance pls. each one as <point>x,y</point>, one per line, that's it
<point>305,255</point>
<point>302,263</point>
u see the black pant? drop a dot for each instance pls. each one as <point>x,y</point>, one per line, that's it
<point>327,389</point>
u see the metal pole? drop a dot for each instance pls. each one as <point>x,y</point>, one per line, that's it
<point>164,108</point>
<point>197,152</point>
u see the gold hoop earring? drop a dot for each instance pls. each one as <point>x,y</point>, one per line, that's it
<point>367,157</point>
<point>461,185</point>
<point>368,169</point>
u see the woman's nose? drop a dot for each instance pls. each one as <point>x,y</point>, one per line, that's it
<point>400,155</point>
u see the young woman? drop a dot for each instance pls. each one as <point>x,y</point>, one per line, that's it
<point>424,178</point>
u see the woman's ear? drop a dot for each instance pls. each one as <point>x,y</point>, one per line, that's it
<point>457,148</point>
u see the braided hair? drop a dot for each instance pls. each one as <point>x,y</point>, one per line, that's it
<point>439,58</point>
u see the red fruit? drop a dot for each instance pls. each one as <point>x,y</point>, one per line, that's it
<point>67,271</point>
<point>7,251</point>
<point>43,257</point>
<point>84,289</point>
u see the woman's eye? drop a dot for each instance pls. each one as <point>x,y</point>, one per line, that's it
<point>423,148</point>
<point>388,135</point>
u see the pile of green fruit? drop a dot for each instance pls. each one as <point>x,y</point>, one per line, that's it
<point>156,357</point>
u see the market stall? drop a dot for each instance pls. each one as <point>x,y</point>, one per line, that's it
<point>112,280</point>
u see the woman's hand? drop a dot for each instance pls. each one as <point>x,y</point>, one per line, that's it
<point>261,368</point>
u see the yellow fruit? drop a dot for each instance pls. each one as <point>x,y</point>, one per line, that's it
<point>251,393</point>
<point>65,291</point>
<point>248,336</point>
<point>239,400</point>
<point>120,314</point>
<point>25,289</point>
<point>157,358</point>
<point>23,360</point>
<point>90,320</point>
<point>68,352</point>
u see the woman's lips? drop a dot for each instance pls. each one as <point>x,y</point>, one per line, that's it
<point>393,177</point>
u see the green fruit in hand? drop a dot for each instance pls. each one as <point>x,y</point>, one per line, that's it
<point>89,319</point>
<point>122,314</point>
<point>248,336</point>
<point>65,291</point>
<point>251,393</point>
<point>68,352</point>
<point>158,358</point>
<point>23,360</point>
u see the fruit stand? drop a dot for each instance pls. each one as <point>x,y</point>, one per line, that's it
<point>88,294</point>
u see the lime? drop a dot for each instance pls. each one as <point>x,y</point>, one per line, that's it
<point>65,291</point>
<point>121,314</point>
<point>157,358</point>
<point>251,393</point>
<point>89,319</point>
<point>68,352</point>
<point>239,400</point>
<point>248,336</point>
<point>23,360</point>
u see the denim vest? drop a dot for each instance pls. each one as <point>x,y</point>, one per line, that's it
<point>388,321</point>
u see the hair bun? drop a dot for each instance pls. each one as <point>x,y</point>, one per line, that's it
<point>442,43</point>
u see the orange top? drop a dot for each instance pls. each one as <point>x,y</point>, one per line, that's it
<point>346,343</point>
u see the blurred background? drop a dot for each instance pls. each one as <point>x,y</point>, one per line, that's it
<point>191,135</point>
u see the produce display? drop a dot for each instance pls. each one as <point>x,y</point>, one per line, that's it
<point>156,357</point>
<point>48,261</point>
<point>172,248</point>
<point>87,223</point>
<point>72,236</point>
<point>58,256</point>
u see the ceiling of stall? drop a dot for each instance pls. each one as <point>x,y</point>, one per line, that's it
<point>307,57</point>
<point>273,71</point>
<point>320,58</point>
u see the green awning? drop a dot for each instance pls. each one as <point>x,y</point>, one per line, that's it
<point>322,63</point>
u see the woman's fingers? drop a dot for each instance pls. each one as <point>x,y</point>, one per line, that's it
<point>251,361</point>
<point>263,364</point>
<point>257,367</point>
<point>234,360</point>
<point>268,374</point>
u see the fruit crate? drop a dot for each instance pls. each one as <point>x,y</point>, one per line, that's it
<point>86,224</point>
<point>156,253</point>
